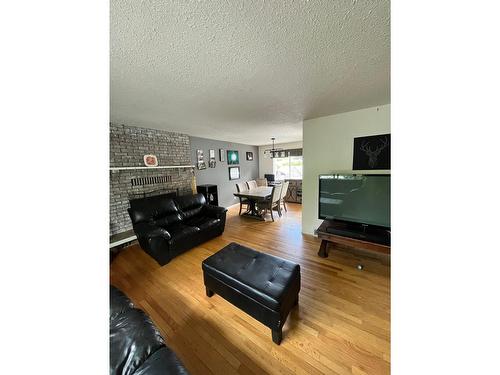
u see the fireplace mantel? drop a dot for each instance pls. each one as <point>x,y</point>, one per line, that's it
<point>158,167</point>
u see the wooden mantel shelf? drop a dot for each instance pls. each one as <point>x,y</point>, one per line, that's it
<point>159,167</point>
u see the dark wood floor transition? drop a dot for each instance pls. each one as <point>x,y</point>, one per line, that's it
<point>342,324</point>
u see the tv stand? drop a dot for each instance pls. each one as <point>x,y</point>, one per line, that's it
<point>354,235</point>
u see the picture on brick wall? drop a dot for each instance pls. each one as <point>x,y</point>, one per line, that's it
<point>150,161</point>
<point>249,156</point>
<point>222,155</point>
<point>200,162</point>
<point>373,152</point>
<point>211,160</point>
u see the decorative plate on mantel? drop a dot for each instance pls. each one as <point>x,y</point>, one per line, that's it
<point>150,161</point>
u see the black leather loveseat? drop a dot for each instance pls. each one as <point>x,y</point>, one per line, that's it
<point>136,345</point>
<point>166,226</point>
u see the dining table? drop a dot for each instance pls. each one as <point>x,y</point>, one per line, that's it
<point>254,196</point>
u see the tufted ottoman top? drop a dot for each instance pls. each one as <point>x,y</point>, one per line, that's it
<point>265,278</point>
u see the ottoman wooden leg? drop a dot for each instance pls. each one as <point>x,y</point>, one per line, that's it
<point>277,335</point>
<point>209,292</point>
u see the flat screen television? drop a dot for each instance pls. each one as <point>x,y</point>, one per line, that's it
<point>363,199</point>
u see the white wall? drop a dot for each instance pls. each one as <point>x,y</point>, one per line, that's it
<point>328,147</point>
<point>266,163</point>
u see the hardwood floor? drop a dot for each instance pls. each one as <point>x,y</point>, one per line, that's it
<point>341,326</point>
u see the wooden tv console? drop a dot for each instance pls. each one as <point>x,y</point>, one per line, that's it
<point>326,237</point>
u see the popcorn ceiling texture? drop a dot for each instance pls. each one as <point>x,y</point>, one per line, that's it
<point>128,145</point>
<point>244,71</point>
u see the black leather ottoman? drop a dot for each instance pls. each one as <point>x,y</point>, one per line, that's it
<point>264,286</point>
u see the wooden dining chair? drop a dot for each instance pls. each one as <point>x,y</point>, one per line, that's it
<point>242,187</point>
<point>261,182</point>
<point>284,191</point>
<point>252,184</point>
<point>273,201</point>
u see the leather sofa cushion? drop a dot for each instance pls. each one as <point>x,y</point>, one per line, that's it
<point>119,302</point>
<point>214,212</point>
<point>262,277</point>
<point>202,222</point>
<point>180,232</point>
<point>152,208</point>
<point>133,338</point>
<point>190,205</point>
<point>163,361</point>
<point>167,220</point>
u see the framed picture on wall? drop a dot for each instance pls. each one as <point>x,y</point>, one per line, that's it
<point>372,152</point>
<point>233,157</point>
<point>249,156</point>
<point>200,162</point>
<point>222,154</point>
<point>234,173</point>
<point>211,158</point>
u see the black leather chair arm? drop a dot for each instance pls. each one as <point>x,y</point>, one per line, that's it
<point>149,231</point>
<point>214,211</point>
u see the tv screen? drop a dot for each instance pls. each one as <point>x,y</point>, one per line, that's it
<point>363,199</point>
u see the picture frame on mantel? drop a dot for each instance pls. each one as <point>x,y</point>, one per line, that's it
<point>150,161</point>
<point>222,155</point>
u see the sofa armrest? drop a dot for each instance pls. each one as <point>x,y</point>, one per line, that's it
<point>154,240</point>
<point>149,231</point>
<point>214,211</point>
<point>163,361</point>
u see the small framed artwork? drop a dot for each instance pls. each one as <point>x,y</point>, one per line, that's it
<point>211,158</point>
<point>200,162</point>
<point>234,173</point>
<point>233,157</point>
<point>150,161</point>
<point>222,154</point>
<point>249,156</point>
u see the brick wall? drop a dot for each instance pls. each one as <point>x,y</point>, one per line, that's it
<point>128,145</point>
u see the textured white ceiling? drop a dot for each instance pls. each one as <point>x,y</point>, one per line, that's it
<point>245,71</point>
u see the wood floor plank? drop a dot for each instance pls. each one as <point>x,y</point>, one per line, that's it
<point>341,326</point>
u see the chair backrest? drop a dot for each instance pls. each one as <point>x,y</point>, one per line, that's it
<point>252,184</point>
<point>261,182</point>
<point>241,186</point>
<point>276,196</point>
<point>269,177</point>
<point>284,189</point>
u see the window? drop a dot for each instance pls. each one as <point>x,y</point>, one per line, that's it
<point>289,167</point>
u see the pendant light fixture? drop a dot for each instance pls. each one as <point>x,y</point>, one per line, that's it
<point>275,152</point>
